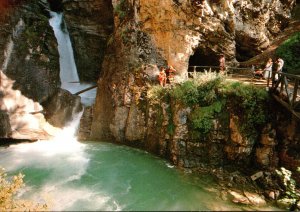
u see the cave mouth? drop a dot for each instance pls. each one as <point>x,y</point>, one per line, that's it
<point>55,5</point>
<point>203,57</point>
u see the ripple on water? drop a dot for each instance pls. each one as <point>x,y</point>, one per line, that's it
<point>98,176</point>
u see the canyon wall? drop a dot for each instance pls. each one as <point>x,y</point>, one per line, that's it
<point>90,23</point>
<point>30,63</point>
<point>150,34</point>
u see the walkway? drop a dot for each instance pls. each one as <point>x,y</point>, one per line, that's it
<point>285,90</point>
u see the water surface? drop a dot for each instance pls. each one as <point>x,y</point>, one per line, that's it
<point>102,176</point>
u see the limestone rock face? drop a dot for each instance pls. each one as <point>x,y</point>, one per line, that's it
<point>151,33</point>
<point>61,108</point>
<point>21,117</point>
<point>266,154</point>
<point>30,58</point>
<point>89,23</point>
<point>5,129</point>
<point>30,55</point>
<point>240,30</point>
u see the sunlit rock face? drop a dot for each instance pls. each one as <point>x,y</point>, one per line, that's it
<point>21,117</point>
<point>89,23</point>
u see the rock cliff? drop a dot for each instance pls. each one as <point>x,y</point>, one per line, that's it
<point>149,34</point>
<point>90,23</point>
<point>30,58</point>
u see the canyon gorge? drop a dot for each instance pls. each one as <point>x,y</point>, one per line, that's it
<point>120,45</point>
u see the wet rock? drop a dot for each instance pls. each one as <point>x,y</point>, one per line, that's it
<point>5,129</point>
<point>30,51</point>
<point>61,108</point>
<point>255,199</point>
<point>90,24</point>
<point>237,197</point>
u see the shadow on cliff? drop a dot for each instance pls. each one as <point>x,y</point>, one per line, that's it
<point>293,28</point>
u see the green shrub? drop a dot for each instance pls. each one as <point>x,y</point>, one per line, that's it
<point>289,186</point>
<point>289,51</point>
<point>120,9</point>
<point>202,117</point>
<point>186,92</point>
<point>156,93</point>
<point>199,90</point>
<point>251,102</point>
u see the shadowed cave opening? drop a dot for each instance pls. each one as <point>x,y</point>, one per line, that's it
<point>203,57</point>
<point>56,5</point>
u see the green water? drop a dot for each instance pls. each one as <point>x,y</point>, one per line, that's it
<point>101,176</point>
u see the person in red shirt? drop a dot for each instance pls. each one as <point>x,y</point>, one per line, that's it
<point>162,78</point>
<point>170,73</point>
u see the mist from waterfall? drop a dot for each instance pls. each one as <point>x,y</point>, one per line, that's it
<point>68,70</point>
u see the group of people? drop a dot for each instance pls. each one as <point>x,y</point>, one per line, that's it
<point>166,76</point>
<point>269,68</point>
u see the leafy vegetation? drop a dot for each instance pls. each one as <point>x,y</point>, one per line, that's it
<point>8,191</point>
<point>289,186</point>
<point>207,94</point>
<point>202,117</point>
<point>120,9</point>
<point>289,51</point>
<point>250,101</point>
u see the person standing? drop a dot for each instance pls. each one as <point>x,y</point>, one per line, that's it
<point>222,63</point>
<point>279,66</point>
<point>170,74</point>
<point>162,78</point>
<point>268,69</point>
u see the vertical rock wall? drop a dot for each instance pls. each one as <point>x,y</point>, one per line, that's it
<point>89,23</point>
<point>151,33</point>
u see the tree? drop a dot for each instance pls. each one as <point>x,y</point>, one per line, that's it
<point>8,190</point>
<point>289,51</point>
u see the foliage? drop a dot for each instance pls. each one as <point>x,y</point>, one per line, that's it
<point>120,9</point>
<point>289,51</point>
<point>251,102</point>
<point>289,184</point>
<point>202,117</point>
<point>186,92</point>
<point>156,93</point>
<point>207,93</point>
<point>201,89</point>
<point>8,191</point>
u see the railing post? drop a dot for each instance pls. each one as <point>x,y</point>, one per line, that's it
<point>281,82</point>
<point>295,92</point>
<point>268,81</point>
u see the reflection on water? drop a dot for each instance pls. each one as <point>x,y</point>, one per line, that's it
<point>100,176</point>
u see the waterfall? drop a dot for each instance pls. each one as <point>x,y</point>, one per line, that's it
<point>68,70</point>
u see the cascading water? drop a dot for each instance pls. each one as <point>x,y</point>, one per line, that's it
<point>68,71</point>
